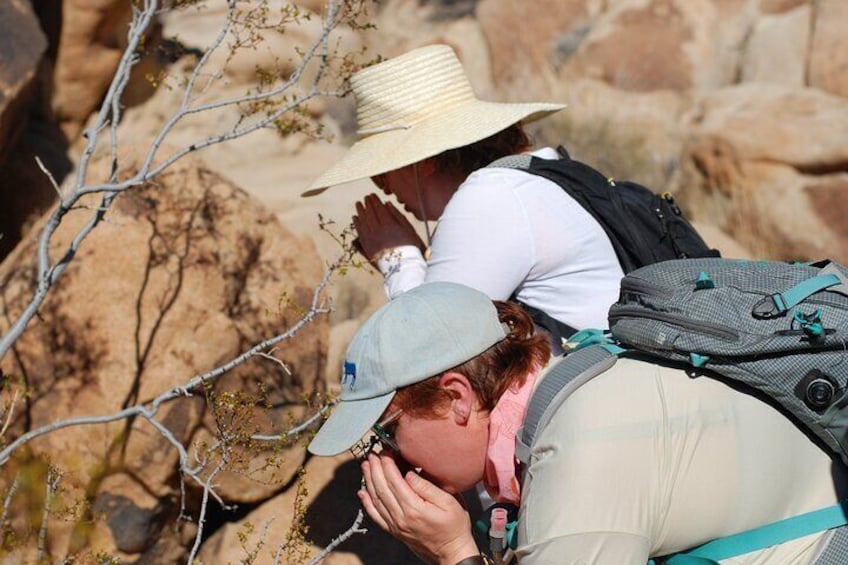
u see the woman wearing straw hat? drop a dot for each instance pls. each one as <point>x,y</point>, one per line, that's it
<point>641,461</point>
<point>426,139</point>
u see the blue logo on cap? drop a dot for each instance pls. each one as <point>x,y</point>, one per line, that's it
<point>349,373</point>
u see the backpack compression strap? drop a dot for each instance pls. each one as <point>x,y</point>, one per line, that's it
<point>760,538</point>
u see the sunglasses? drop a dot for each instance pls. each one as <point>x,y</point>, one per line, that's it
<point>383,435</point>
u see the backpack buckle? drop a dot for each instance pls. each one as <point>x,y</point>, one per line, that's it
<point>769,307</point>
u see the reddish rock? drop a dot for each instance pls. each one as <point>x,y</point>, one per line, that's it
<point>92,40</point>
<point>24,190</point>
<point>769,165</point>
<point>780,6</point>
<point>829,50</point>
<point>642,49</point>
<point>187,273</point>
<point>526,37</point>
<point>776,51</point>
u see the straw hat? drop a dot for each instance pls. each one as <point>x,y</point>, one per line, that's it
<point>416,106</point>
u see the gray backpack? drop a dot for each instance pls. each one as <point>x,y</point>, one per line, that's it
<point>779,330</point>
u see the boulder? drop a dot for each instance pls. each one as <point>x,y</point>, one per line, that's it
<point>828,66</point>
<point>769,165</point>
<point>21,49</point>
<point>92,40</point>
<point>777,48</point>
<point>185,274</point>
<point>550,32</point>
<point>325,499</point>
<point>617,50</point>
<point>24,190</point>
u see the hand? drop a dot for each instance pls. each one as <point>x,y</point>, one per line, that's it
<point>381,227</point>
<point>430,521</point>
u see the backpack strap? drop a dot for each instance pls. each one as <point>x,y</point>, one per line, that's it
<point>560,331</point>
<point>777,304</point>
<point>561,380</point>
<point>760,538</point>
<point>521,162</point>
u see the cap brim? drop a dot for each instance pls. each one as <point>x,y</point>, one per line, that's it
<point>387,151</point>
<point>349,421</point>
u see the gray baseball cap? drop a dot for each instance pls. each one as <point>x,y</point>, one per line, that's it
<point>420,334</point>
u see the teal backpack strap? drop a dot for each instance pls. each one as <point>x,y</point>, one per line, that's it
<point>760,538</point>
<point>777,304</point>
<point>592,336</point>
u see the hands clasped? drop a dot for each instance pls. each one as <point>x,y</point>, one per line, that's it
<point>380,227</point>
<point>430,521</point>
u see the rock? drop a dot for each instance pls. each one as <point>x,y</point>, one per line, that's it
<point>328,505</point>
<point>617,52</point>
<point>187,273</point>
<point>779,6</point>
<point>718,239</point>
<point>828,66</point>
<point>549,31</point>
<point>92,41</point>
<point>404,26</point>
<point>25,191</point>
<point>132,514</point>
<point>21,48</point>
<point>768,165</point>
<point>777,49</point>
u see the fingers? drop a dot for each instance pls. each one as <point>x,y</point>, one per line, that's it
<point>385,490</point>
<point>396,214</point>
<point>371,510</point>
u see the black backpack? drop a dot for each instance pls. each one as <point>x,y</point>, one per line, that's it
<point>643,226</point>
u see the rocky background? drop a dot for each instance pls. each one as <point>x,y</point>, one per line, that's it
<point>738,107</point>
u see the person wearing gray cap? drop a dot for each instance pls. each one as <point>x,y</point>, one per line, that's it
<point>641,461</point>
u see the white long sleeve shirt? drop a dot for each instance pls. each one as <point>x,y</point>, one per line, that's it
<point>506,231</point>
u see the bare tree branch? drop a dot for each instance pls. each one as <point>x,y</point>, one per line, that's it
<point>305,425</point>
<point>49,176</point>
<point>149,409</point>
<point>344,536</point>
<point>10,413</point>
<point>265,107</point>
<point>8,501</point>
<point>49,271</point>
<point>54,477</point>
<point>201,521</point>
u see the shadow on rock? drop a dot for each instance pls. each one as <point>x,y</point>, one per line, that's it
<point>334,510</point>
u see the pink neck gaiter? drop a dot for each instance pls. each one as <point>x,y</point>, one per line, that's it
<point>501,480</point>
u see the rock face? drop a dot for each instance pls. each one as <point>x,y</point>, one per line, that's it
<point>24,191</point>
<point>92,40</point>
<point>187,273</point>
<point>738,106</point>
<point>754,93</point>
<point>770,167</point>
<point>328,492</point>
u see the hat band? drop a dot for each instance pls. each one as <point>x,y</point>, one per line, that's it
<point>382,129</point>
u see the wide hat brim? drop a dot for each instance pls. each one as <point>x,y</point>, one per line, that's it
<point>349,421</point>
<point>462,125</point>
